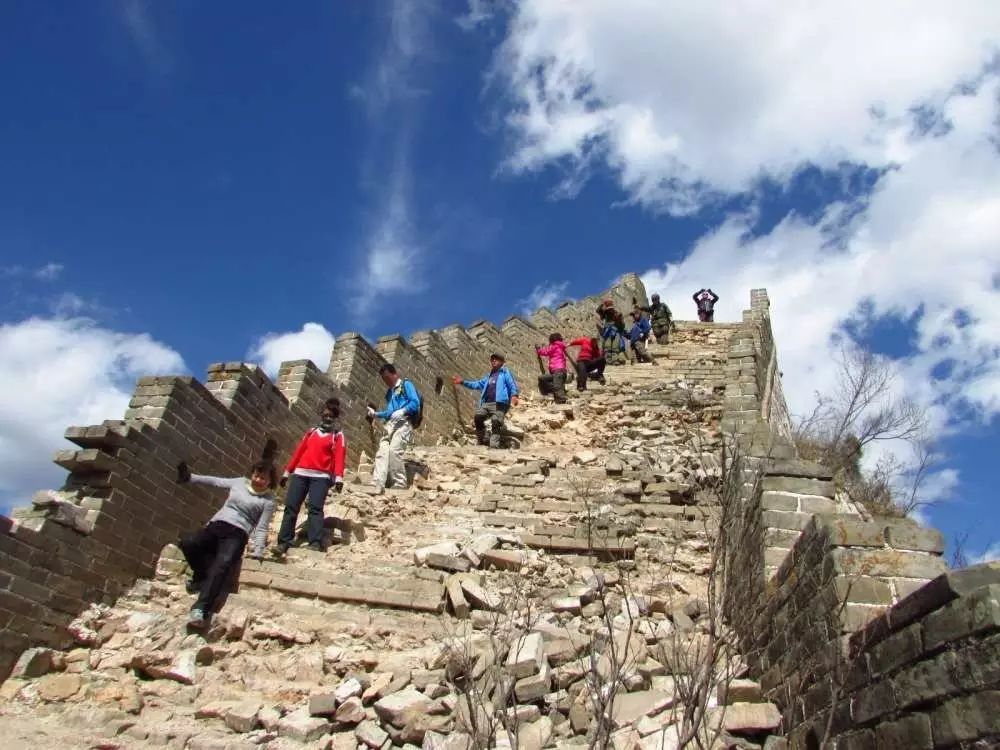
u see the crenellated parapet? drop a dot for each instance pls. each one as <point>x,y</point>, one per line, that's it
<point>120,503</point>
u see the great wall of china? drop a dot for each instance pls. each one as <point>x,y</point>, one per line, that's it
<point>653,567</point>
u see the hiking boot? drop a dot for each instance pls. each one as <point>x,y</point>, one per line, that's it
<point>197,619</point>
<point>315,546</point>
<point>279,550</point>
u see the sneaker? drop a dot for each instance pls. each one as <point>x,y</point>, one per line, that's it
<point>279,550</point>
<point>197,619</point>
<point>192,586</point>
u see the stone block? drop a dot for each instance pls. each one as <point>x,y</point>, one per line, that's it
<point>450,563</point>
<point>786,520</point>
<point>33,662</point>
<point>459,605</point>
<point>873,702</point>
<point>526,656</point>
<point>398,708</point>
<point>59,686</point>
<point>950,585</point>
<point>797,468</point>
<point>750,717</point>
<point>531,688</point>
<point>739,691</point>
<point>852,532</point>
<point>966,719</point>
<point>810,504</point>
<point>628,708</point>
<point>503,559</point>
<point>896,651</point>
<point>478,596</point>
<point>976,612</point>
<point>909,535</point>
<point>371,735</point>
<point>299,725</point>
<point>798,485</point>
<point>863,590</point>
<point>322,704</point>
<point>242,717</point>
<point>779,501</point>
<point>909,733</point>
<point>885,563</point>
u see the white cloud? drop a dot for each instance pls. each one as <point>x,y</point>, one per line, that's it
<point>925,246</point>
<point>685,100</point>
<point>313,342</point>
<point>60,372</point>
<point>543,295</point>
<point>393,251</point>
<point>137,18</point>
<point>48,272</point>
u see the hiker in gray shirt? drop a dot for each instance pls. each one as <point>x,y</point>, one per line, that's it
<point>214,551</point>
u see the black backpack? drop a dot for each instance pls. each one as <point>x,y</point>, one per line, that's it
<point>417,419</point>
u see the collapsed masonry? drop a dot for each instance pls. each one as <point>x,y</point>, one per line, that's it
<point>563,593</point>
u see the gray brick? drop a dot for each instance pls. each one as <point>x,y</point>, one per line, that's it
<point>966,719</point>
<point>908,535</point>
<point>909,733</point>
<point>976,612</point>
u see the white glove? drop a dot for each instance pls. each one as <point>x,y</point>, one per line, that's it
<point>398,414</point>
<point>371,411</point>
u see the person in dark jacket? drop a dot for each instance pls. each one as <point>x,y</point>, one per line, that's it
<point>661,319</point>
<point>705,299</point>
<point>612,331</point>
<point>589,363</point>
<point>498,393</point>
<point>214,552</point>
<point>316,465</point>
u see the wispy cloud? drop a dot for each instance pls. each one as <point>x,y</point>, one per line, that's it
<point>313,342</point>
<point>393,249</point>
<point>543,295</point>
<point>990,553</point>
<point>48,272</point>
<point>137,18</point>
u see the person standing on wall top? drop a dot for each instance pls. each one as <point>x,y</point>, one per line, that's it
<point>402,410</point>
<point>637,335</point>
<point>498,392</point>
<point>705,299</point>
<point>316,465</point>
<point>661,319</point>
<point>555,353</point>
<point>590,363</point>
<point>214,552</point>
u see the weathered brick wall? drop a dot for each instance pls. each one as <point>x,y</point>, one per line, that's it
<point>848,636</point>
<point>120,503</point>
<point>926,673</point>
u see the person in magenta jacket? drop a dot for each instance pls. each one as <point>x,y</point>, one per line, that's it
<point>316,465</point>
<point>555,353</point>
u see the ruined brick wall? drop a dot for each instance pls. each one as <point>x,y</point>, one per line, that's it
<point>847,636</point>
<point>120,504</point>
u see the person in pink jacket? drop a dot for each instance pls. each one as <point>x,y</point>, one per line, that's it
<point>555,353</point>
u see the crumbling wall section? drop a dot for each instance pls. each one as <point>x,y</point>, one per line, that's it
<point>120,503</point>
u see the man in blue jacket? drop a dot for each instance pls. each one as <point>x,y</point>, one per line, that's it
<point>638,334</point>
<point>498,392</point>
<point>402,407</point>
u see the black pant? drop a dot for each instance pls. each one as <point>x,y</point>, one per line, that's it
<point>585,368</point>
<point>559,386</point>
<point>299,487</point>
<point>706,316</point>
<point>214,553</point>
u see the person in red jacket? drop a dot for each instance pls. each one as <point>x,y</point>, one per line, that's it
<point>315,466</point>
<point>589,363</point>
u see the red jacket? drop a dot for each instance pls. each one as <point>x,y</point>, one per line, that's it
<point>320,451</point>
<point>586,350</point>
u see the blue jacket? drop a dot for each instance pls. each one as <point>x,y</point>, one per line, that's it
<point>640,330</point>
<point>402,396</point>
<point>506,387</point>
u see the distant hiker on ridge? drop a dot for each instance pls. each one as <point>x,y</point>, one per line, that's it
<point>705,299</point>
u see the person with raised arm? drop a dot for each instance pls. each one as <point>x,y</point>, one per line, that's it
<point>214,551</point>
<point>498,393</point>
<point>705,299</point>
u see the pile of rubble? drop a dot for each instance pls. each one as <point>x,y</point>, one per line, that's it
<point>550,596</point>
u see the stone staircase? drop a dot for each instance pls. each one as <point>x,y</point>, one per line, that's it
<point>571,570</point>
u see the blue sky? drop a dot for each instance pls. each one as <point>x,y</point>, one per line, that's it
<point>186,183</point>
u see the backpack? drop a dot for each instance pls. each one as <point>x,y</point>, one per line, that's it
<point>417,419</point>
